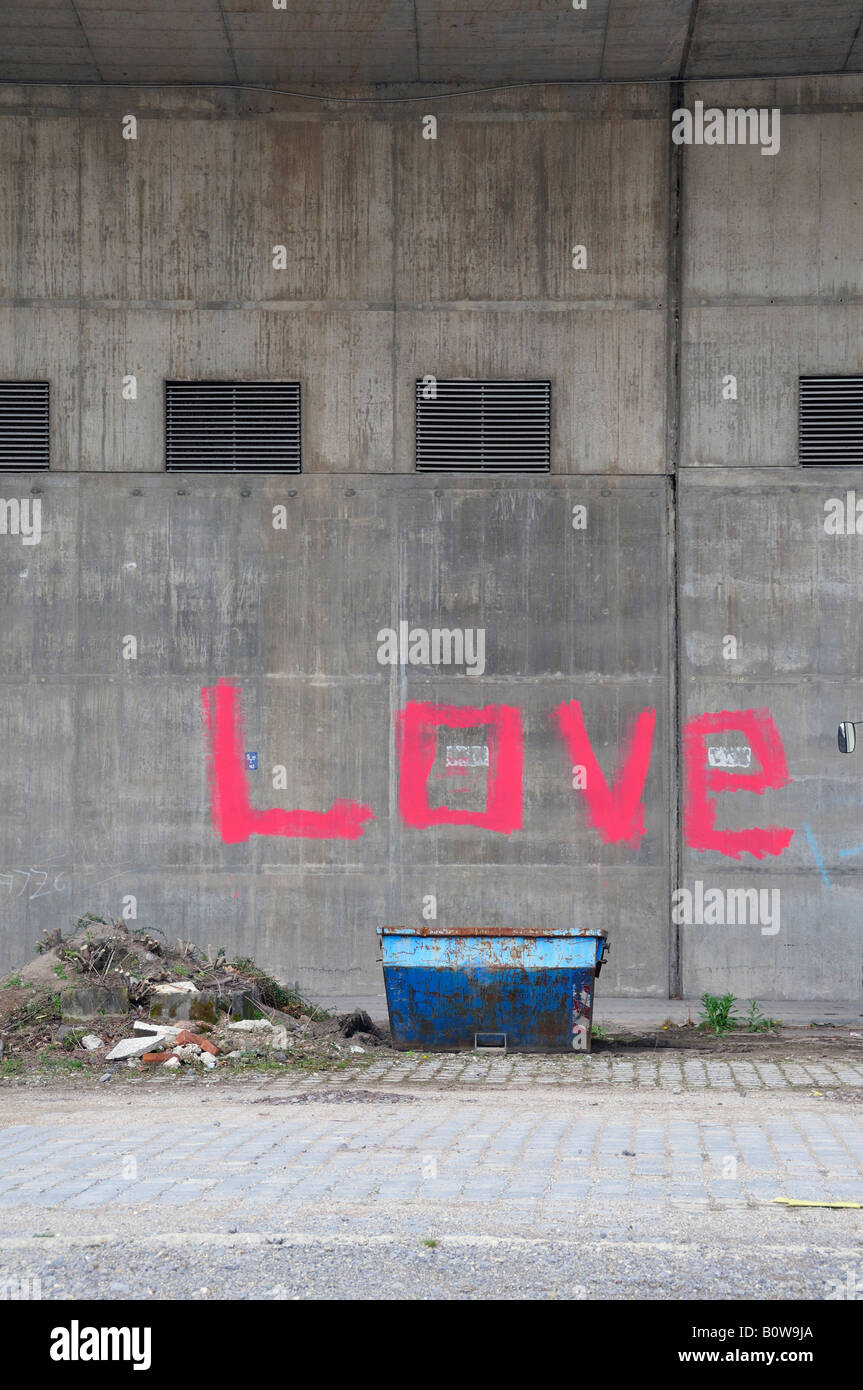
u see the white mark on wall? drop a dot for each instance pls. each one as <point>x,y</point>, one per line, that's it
<point>52,874</point>
<point>729,757</point>
<point>467,755</point>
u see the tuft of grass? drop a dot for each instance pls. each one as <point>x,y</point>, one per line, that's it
<point>757,1022</point>
<point>64,1063</point>
<point>597,1031</point>
<point>718,1014</point>
<point>14,982</point>
<point>91,919</point>
<point>430,1242</point>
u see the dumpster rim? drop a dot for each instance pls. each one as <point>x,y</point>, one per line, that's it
<point>595,932</point>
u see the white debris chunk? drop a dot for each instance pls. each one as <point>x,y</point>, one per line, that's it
<point>130,1047</point>
<point>156,1031</point>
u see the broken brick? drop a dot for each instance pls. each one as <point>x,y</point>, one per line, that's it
<point>205,1046</point>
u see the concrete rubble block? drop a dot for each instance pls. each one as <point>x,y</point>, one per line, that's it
<point>281,1019</point>
<point>198,1006</point>
<point>91,1042</point>
<point>156,1032</point>
<point>255,1038</point>
<point>94,1001</point>
<point>208,1060</point>
<point>130,1047</point>
<point>188,1053</point>
<point>172,1063</point>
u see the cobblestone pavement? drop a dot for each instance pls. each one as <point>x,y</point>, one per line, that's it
<point>665,1070</point>
<point>574,1178</point>
<point>435,1152</point>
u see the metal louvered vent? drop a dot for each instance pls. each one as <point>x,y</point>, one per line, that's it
<point>483,426</point>
<point>830,414</point>
<point>24,424</point>
<point>232,426</point>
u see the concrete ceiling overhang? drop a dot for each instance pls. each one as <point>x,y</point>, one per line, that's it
<point>407,41</point>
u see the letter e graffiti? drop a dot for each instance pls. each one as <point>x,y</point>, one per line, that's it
<point>699,810</point>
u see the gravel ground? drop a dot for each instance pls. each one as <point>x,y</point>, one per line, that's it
<point>580,1267</point>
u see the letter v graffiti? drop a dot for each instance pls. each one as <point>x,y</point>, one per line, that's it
<point>617,812</point>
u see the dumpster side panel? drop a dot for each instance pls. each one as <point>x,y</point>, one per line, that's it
<point>546,1010</point>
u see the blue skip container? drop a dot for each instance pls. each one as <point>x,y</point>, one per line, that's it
<point>516,989</point>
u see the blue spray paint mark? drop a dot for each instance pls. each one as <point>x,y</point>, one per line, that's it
<point>816,856</point>
<point>843,853</point>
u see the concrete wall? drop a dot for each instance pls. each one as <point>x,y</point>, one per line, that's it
<point>409,256</point>
<point>773,290</point>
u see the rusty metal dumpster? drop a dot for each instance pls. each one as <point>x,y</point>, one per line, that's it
<point>517,989</point>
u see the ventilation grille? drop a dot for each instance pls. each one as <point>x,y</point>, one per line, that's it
<point>233,426</point>
<point>484,426</point>
<point>24,424</point>
<point>831,420</point>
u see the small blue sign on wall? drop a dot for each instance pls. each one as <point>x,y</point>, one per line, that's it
<point>251,762</point>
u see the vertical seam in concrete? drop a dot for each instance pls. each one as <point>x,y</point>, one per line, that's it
<point>79,508</point>
<point>687,43</point>
<point>393,829</point>
<point>394,182</point>
<point>672,445</point>
<point>79,160</point>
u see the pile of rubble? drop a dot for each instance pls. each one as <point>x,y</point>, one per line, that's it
<point>110,968</point>
<point>111,994</point>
